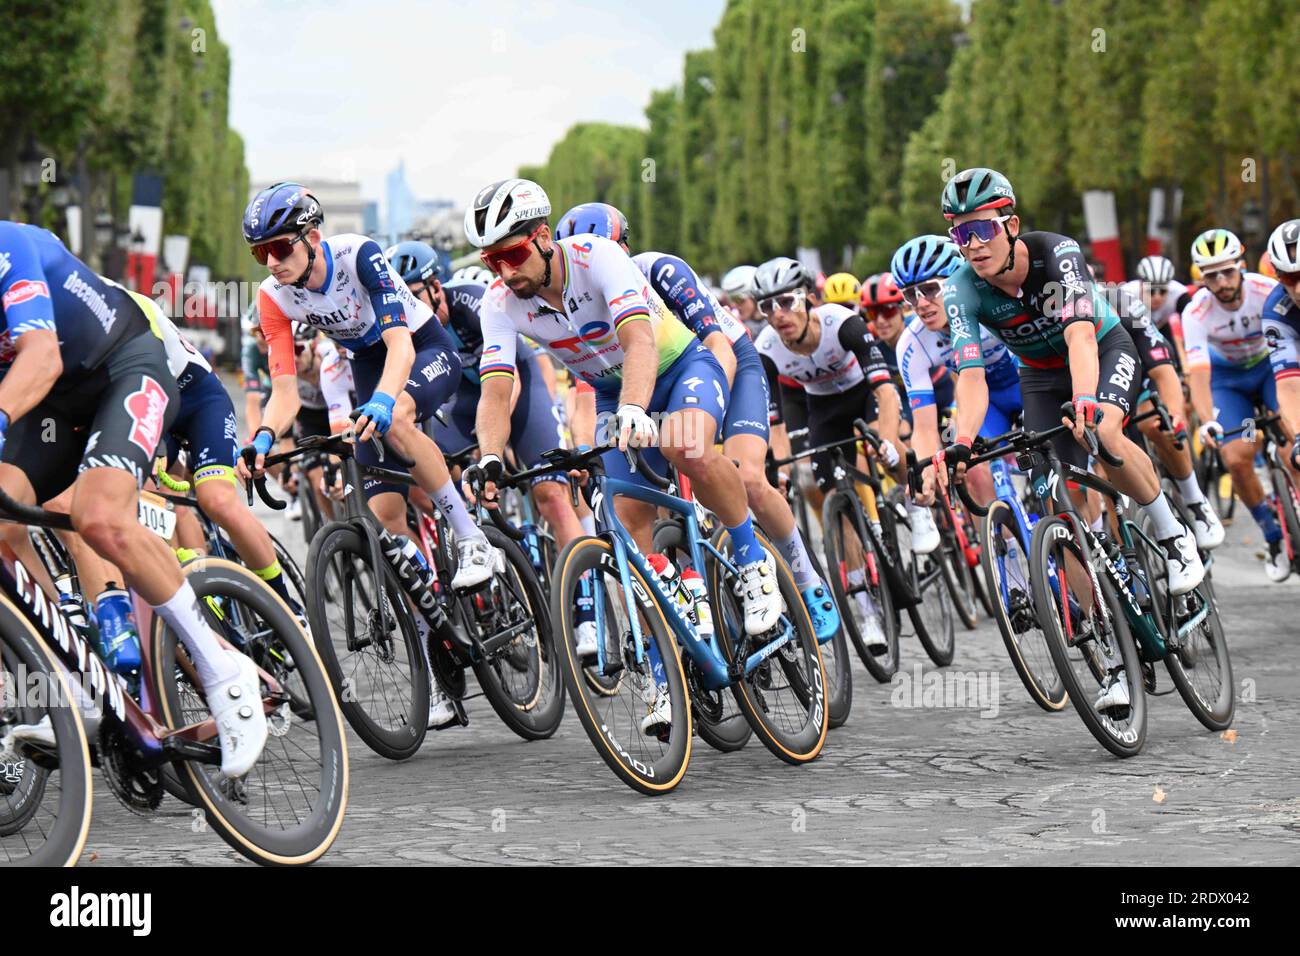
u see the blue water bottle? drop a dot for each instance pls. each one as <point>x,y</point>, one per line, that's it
<point>119,640</point>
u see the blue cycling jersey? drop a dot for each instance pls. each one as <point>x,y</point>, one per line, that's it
<point>690,300</point>
<point>44,286</point>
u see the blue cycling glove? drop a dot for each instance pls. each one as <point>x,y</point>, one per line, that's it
<point>263,441</point>
<point>4,426</point>
<point>380,411</point>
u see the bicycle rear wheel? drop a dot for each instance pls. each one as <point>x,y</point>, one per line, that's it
<point>718,718</point>
<point>958,572</point>
<point>649,764</point>
<point>289,808</point>
<point>45,791</point>
<point>374,661</point>
<point>1288,503</point>
<point>838,661</point>
<point>784,696</point>
<point>1006,570</point>
<point>1087,644</point>
<point>933,617</point>
<point>858,584</point>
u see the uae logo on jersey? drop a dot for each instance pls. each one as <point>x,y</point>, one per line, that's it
<point>147,408</point>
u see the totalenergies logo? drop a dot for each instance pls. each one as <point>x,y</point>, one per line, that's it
<point>592,335</point>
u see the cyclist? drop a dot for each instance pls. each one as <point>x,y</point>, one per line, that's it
<point>404,365</point>
<point>738,292</point>
<point>1164,296</point>
<point>843,288</point>
<point>883,304</point>
<point>533,427</point>
<point>1282,328</point>
<point>1033,292</point>
<point>925,356</point>
<point>254,369</point>
<point>1228,373</point>
<point>828,350</point>
<point>85,398</point>
<point>585,302</point>
<point>745,430</point>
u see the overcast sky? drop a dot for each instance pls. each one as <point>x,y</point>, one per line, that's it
<point>464,92</point>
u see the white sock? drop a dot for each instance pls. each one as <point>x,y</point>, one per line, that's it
<point>796,555</point>
<point>182,614</point>
<point>1166,522</point>
<point>449,502</point>
<point>857,578</point>
<point>1097,523</point>
<point>588,522</point>
<point>1190,489</point>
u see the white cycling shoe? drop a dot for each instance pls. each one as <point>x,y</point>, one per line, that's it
<point>925,534</point>
<point>1183,564</point>
<point>760,594</point>
<point>442,710</point>
<point>475,560</point>
<point>660,718</point>
<point>236,707</point>
<point>294,511</point>
<point>1276,566</point>
<point>873,635</point>
<point>586,635</point>
<point>1113,693</point>
<point>1206,524</point>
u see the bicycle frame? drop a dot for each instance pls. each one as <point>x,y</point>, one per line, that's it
<point>707,655</point>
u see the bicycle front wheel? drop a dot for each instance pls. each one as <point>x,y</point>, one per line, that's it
<point>858,584</point>
<point>289,808</point>
<point>647,746</point>
<point>1090,645</point>
<point>45,790</point>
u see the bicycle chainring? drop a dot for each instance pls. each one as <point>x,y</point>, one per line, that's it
<point>140,791</point>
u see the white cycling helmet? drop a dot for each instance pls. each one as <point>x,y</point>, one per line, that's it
<point>1216,247</point>
<point>1156,270</point>
<point>781,274</point>
<point>499,210</point>
<point>1284,246</point>
<point>739,283</point>
<point>472,274</point>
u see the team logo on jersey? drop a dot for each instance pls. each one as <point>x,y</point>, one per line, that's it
<point>147,408</point>
<point>628,294</point>
<point>969,352</point>
<point>24,290</point>
<point>5,264</point>
<point>592,334</point>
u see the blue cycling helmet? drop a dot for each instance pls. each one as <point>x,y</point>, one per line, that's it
<point>414,261</point>
<point>924,258</point>
<point>599,218</point>
<point>281,210</point>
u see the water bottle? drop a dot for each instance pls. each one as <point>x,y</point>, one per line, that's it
<point>1116,558</point>
<point>670,582</point>
<point>1139,579</point>
<point>702,617</point>
<point>408,562</point>
<point>119,641</point>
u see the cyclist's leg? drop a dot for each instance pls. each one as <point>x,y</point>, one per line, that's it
<point>1236,393</point>
<point>534,429</point>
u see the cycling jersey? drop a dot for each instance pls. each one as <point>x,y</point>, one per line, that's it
<point>925,356</point>
<point>360,300</point>
<point>603,290</point>
<point>1057,292</point>
<point>691,301</point>
<point>1175,301</point>
<point>336,384</point>
<point>1216,337</point>
<point>464,301</point>
<point>184,361</point>
<point>837,364</point>
<point>255,367</point>
<point>1281,323</point>
<point>310,395</point>
<point>1153,349</point>
<point>43,286</point>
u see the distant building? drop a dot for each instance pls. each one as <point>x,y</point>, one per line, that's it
<point>370,217</point>
<point>342,202</point>
<point>400,203</point>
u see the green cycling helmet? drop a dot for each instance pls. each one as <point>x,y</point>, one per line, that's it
<point>974,189</point>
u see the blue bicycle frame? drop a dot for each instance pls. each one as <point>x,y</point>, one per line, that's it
<point>707,655</point>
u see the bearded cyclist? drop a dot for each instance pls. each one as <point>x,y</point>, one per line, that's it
<point>1033,292</point>
<point>745,430</point>
<point>1228,371</point>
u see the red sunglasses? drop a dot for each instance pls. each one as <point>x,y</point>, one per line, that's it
<point>281,248</point>
<point>513,256</point>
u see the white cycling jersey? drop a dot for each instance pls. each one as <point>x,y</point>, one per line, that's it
<point>1160,316</point>
<point>359,302</point>
<point>924,354</point>
<point>336,384</point>
<point>833,367</point>
<point>1216,336</point>
<point>603,290</point>
<point>181,355</point>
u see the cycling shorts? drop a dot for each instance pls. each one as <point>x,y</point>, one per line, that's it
<point>1238,391</point>
<point>206,425</point>
<point>830,419</point>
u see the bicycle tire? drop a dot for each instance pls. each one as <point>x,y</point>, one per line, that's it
<point>717,717</point>
<point>838,663</point>
<point>1130,742</point>
<point>24,800</point>
<point>1039,678</point>
<point>926,572</point>
<point>837,516</point>
<point>1289,511</point>
<point>227,807</point>
<point>539,716</point>
<point>663,773</point>
<point>961,581</point>
<point>411,719</point>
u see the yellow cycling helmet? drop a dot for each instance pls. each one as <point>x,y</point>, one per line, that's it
<point>842,288</point>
